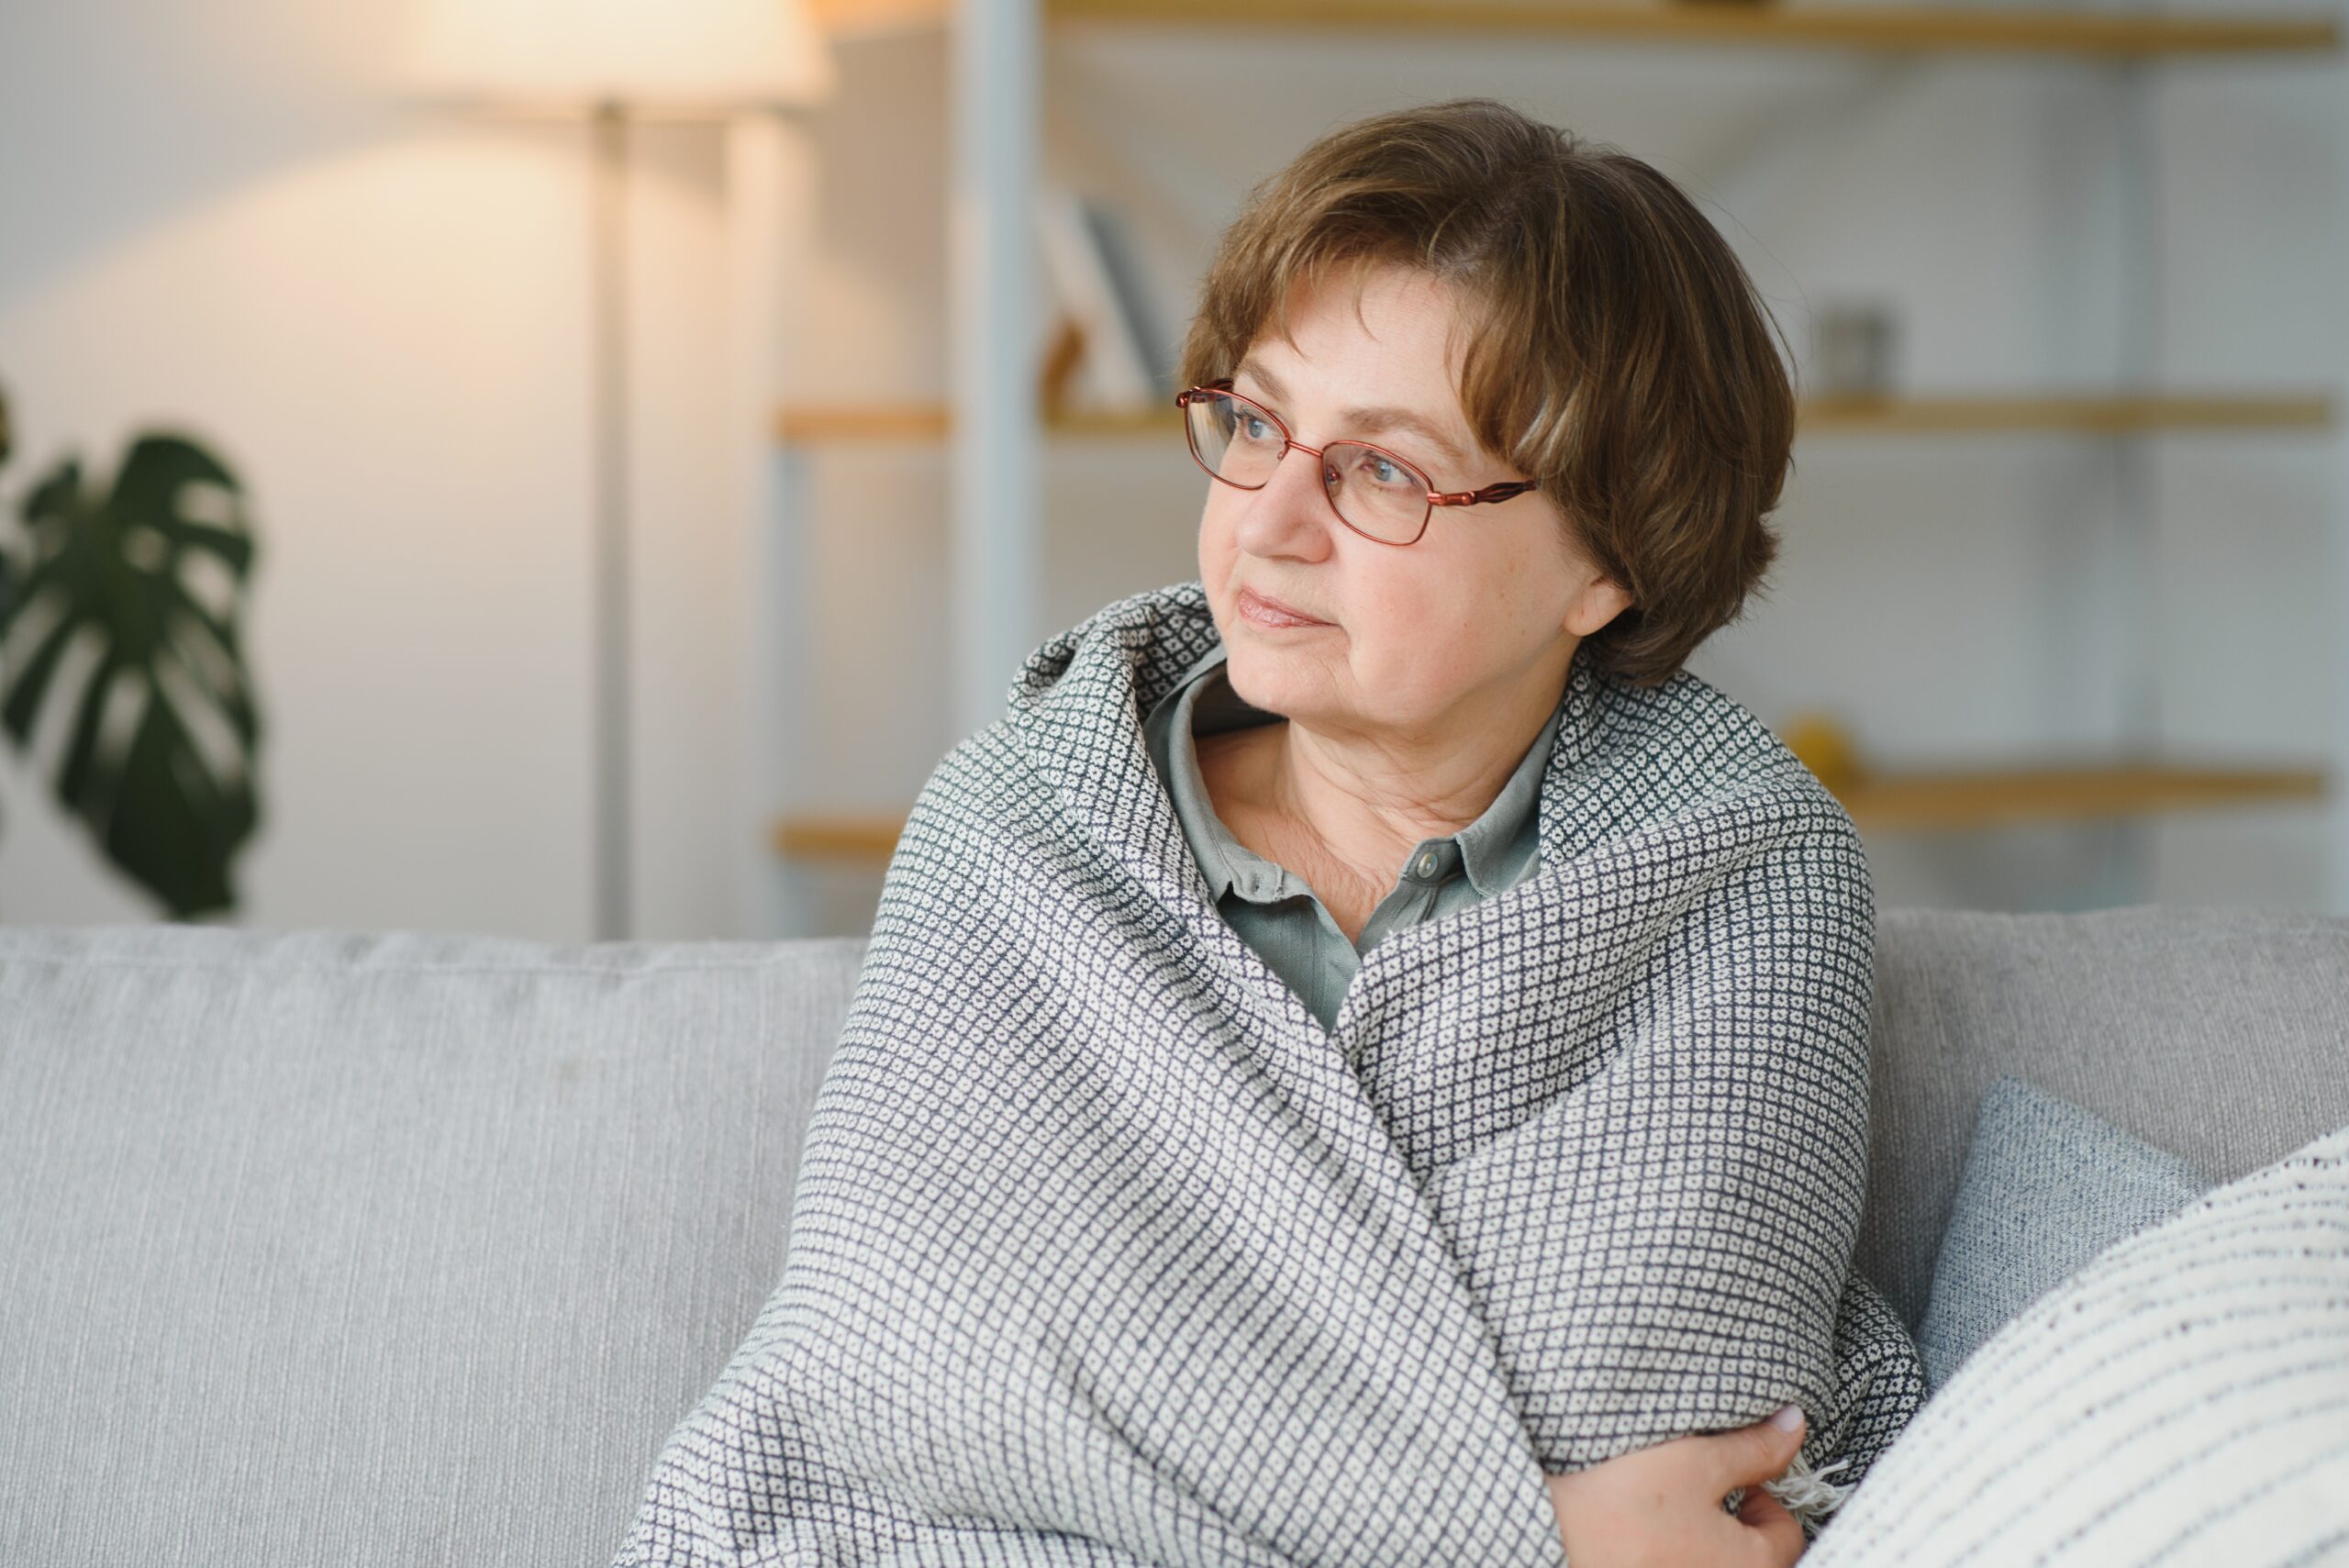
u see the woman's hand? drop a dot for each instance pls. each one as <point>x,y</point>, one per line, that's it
<point>1661,1506</point>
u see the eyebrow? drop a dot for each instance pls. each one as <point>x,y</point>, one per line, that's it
<point>1381,418</point>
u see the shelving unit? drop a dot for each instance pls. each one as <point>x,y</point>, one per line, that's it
<point>1909,29</point>
<point>1904,30</point>
<point>2080,415</point>
<point>1989,797</point>
<point>2134,782</point>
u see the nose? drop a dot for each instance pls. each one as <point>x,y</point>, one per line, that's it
<point>1290,515</point>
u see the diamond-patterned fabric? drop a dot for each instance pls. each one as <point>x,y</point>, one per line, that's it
<point>1105,1253</point>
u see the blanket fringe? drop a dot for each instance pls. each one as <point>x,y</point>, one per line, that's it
<point>1805,1492</point>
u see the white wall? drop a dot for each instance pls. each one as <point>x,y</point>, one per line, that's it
<point>380,316</point>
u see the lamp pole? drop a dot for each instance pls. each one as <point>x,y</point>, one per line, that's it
<point>609,218</point>
<point>623,61</point>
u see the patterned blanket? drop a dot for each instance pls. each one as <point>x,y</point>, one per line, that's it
<point>1104,1253</point>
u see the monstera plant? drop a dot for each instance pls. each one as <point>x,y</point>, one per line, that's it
<point>158,758</point>
<point>7,567</point>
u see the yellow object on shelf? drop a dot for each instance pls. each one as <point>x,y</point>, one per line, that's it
<point>869,838</point>
<point>1825,748</point>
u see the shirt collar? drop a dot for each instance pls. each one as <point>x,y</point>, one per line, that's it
<point>1202,700</point>
<point>1503,847</point>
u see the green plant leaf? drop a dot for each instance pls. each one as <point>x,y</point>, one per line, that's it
<point>159,758</point>
<point>10,591</point>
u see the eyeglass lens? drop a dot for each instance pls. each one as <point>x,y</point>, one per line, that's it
<point>1384,499</point>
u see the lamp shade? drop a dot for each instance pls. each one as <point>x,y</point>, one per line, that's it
<point>690,56</point>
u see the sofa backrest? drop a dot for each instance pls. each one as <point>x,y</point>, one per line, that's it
<point>323,1248</point>
<point>333,1247</point>
<point>2219,1034</point>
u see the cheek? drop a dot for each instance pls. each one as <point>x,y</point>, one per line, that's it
<point>1480,592</point>
<point>1478,609</point>
<point>1219,517</point>
<point>1217,551</point>
<point>1534,575</point>
<point>1215,554</point>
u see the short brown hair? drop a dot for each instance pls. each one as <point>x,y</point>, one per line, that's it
<point>1619,354</point>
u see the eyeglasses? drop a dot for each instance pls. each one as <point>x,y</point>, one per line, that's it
<point>1378,494</point>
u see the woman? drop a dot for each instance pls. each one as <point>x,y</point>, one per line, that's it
<point>1190,1186</point>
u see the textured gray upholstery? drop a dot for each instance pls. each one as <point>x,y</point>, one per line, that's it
<point>353,1250</point>
<point>2047,1186</point>
<point>323,1247</point>
<point>2220,1035</point>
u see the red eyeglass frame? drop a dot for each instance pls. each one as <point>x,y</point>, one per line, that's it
<point>1223,384</point>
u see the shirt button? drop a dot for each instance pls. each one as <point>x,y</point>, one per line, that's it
<point>1427,863</point>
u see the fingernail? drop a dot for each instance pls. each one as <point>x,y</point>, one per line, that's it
<point>1786,1417</point>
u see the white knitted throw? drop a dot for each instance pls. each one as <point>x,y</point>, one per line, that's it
<point>1104,1253</point>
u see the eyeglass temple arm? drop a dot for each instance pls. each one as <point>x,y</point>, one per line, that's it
<point>1501,491</point>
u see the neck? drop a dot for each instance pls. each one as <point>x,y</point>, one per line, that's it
<point>1370,797</point>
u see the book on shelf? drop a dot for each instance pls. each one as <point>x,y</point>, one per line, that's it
<point>1103,290</point>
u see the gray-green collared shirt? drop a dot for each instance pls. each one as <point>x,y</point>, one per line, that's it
<point>1271,907</point>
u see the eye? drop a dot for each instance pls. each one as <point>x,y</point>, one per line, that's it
<point>1255,429</point>
<point>1385,473</point>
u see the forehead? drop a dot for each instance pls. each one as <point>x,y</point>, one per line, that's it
<point>1372,350</point>
<point>1379,315</point>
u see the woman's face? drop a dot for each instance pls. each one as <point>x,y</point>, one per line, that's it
<point>1413,640</point>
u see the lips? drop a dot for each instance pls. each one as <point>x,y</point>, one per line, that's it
<point>1272,612</point>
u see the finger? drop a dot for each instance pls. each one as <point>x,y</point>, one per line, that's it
<point>1776,1531</point>
<point>1759,1452</point>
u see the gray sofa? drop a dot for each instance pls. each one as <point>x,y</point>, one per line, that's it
<point>336,1248</point>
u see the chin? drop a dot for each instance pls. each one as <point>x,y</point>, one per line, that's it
<point>1272,679</point>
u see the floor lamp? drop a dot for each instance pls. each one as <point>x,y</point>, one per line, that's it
<point>616,60</point>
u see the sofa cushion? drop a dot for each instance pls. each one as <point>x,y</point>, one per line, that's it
<point>2183,1398</point>
<point>353,1248</point>
<point>2047,1186</point>
<point>356,1247</point>
<point>2214,1033</point>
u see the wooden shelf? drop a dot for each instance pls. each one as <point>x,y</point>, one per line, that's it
<point>864,422</point>
<point>1925,30</point>
<point>2010,29</point>
<point>935,421</point>
<point>868,838</point>
<point>2078,415</point>
<point>1887,802</point>
<point>1997,797</point>
<point>869,18</point>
